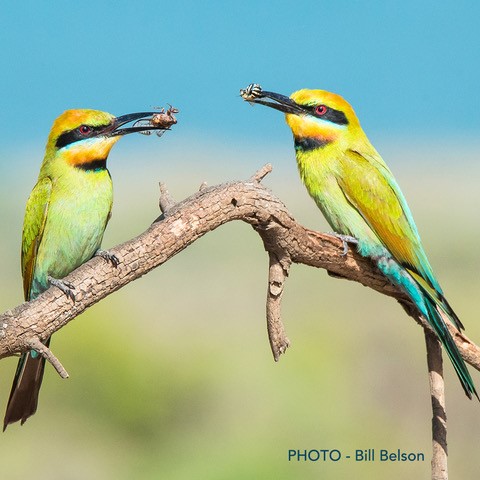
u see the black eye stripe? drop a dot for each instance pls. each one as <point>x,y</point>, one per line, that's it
<point>332,115</point>
<point>72,136</point>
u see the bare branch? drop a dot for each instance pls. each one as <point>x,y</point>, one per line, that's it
<point>35,344</point>
<point>183,224</point>
<point>165,202</point>
<point>277,274</point>
<point>259,175</point>
<point>439,419</point>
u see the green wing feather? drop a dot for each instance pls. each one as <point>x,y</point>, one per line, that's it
<point>371,189</point>
<point>33,226</point>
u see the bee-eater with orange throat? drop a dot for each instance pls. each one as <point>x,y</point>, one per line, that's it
<point>358,195</point>
<point>65,218</point>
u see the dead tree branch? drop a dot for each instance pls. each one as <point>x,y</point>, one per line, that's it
<point>180,225</point>
<point>439,418</point>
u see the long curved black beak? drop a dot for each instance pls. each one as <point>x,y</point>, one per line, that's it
<point>254,94</point>
<point>280,102</point>
<point>145,124</point>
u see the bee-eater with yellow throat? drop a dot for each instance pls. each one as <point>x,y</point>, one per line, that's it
<point>65,218</point>
<point>359,197</point>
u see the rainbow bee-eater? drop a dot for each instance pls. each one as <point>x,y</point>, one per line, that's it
<point>358,195</point>
<point>65,219</point>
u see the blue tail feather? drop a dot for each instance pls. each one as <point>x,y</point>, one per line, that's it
<point>440,328</point>
<point>428,308</point>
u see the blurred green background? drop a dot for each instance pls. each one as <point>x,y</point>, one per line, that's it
<point>172,377</point>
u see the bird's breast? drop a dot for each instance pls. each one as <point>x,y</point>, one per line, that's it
<point>76,220</point>
<point>320,171</point>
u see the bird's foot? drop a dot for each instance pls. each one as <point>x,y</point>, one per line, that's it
<point>109,257</point>
<point>346,239</point>
<point>65,287</point>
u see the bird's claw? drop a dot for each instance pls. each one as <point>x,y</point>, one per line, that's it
<point>109,257</point>
<point>65,287</point>
<point>346,239</point>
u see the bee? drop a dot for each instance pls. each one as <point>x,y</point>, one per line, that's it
<point>254,90</point>
<point>162,120</point>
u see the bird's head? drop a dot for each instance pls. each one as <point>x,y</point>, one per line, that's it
<point>317,118</point>
<point>84,136</point>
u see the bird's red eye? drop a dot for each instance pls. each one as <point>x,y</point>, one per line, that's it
<point>85,129</point>
<point>321,110</point>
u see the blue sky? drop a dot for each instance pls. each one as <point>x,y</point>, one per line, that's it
<point>409,68</point>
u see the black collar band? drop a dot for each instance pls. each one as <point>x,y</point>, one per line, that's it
<point>309,144</point>
<point>93,166</point>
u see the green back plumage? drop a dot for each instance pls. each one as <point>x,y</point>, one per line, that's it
<point>371,189</point>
